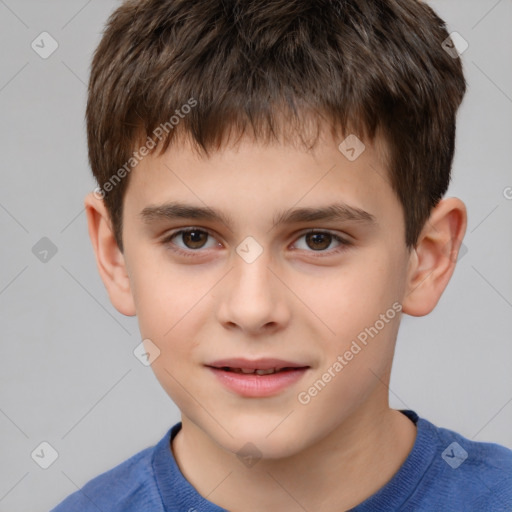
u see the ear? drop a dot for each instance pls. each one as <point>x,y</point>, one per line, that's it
<point>109,258</point>
<point>434,257</point>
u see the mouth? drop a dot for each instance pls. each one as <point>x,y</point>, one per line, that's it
<point>258,371</point>
<point>259,378</point>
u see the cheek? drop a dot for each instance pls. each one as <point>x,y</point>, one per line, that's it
<point>171,309</point>
<point>165,296</point>
<point>355,296</point>
<point>361,305</point>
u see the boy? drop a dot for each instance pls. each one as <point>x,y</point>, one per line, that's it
<point>231,140</point>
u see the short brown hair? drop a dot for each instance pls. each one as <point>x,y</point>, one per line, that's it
<point>365,66</point>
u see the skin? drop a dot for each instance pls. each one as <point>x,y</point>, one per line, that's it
<point>293,302</point>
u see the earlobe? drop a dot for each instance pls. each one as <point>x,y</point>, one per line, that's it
<point>110,260</point>
<point>433,260</point>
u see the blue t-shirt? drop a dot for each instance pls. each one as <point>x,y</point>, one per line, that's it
<point>443,472</point>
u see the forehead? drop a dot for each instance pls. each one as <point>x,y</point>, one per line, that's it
<point>252,179</point>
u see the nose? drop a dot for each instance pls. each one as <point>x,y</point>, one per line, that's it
<point>253,298</point>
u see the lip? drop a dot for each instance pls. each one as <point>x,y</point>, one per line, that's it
<point>255,364</point>
<point>253,385</point>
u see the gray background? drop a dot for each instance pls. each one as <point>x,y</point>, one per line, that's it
<point>67,372</point>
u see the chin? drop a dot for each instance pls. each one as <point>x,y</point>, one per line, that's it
<point>262,439</point>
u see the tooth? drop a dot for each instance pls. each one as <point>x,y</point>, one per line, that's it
<point>245,370</point>
<point>265,372</point>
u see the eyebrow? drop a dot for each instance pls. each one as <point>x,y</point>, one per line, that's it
<point>332,212</point>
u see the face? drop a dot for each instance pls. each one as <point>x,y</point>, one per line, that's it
<point>271,276</point>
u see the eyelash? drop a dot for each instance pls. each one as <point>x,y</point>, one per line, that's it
<point>167,241</point>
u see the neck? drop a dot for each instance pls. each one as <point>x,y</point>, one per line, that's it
<point>336,473</point>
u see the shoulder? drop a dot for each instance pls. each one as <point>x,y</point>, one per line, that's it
<point>476,474</point>
<point>129,486</point>
<point>474,455</point>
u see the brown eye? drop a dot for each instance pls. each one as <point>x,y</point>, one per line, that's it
<point>190,241</point>
<point>194,239</point>
<point>318,241</point>
<point>322,242</point>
